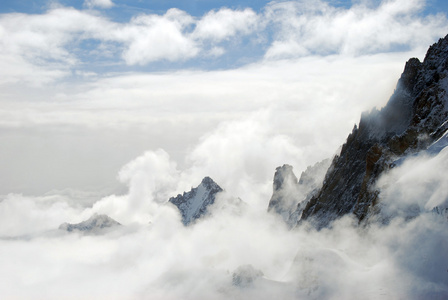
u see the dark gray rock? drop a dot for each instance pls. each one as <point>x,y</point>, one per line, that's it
<point>414,117</point>
<point>289,195</point>
<point>286,193</point>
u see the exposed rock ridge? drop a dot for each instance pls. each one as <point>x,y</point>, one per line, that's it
<point>94,223</point>
<point>193,204</point>
<point>414,117</point>
<point>286,193</point>
<point>290,195</point>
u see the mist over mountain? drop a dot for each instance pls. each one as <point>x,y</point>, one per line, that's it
<point>290,195</point>
<point>412,121</point>
<point>308,241</point>
<point>367,219</point>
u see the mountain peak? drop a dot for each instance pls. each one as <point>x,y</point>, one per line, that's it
<point>413,119</point>
<point>193,204</point>
<point>290,195</point>
<point>94,223</point>
<point>282,175</point>
<point>208,182</point>
<point>437,52</point>
<point>286,193</point>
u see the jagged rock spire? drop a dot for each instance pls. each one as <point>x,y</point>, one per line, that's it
<point>193,204</point>
<point>290,195</point>
<point>286,194</point>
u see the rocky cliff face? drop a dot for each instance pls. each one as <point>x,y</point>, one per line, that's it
<point>286,193</point>
<point>290,195</point>
<point>193,204</point>
<point>414,118</point>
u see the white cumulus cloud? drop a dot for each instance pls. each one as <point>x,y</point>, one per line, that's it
<point>318,28</point>
<point>225,23</point>
<point>152,38</point>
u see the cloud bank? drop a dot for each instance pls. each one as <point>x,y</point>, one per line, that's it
<point>154,255</point>
<point>166,260</point>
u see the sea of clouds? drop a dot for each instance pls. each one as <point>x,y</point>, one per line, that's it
<point>154,256</point>
<point>160,133</point>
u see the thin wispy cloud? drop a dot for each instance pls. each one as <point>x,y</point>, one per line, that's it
<point>99,3</point>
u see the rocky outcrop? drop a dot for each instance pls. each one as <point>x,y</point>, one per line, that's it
<point>286,193</point>
<point>290,195</point>
<point>94,224</point>
<point>193,204</point>
<point>414,118</point>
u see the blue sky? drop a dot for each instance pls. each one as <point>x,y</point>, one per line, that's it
<point>124,9</point>
<point>249,31</point>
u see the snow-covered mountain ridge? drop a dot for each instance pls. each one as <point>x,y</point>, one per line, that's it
<point>414,120</point>
<point>193,204</point>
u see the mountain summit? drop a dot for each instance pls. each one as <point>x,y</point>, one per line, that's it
<point>193,204</point>
<point>95,223</point>
<point>414,118</point>
<point>286,193</point>
<point>290,195</point>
